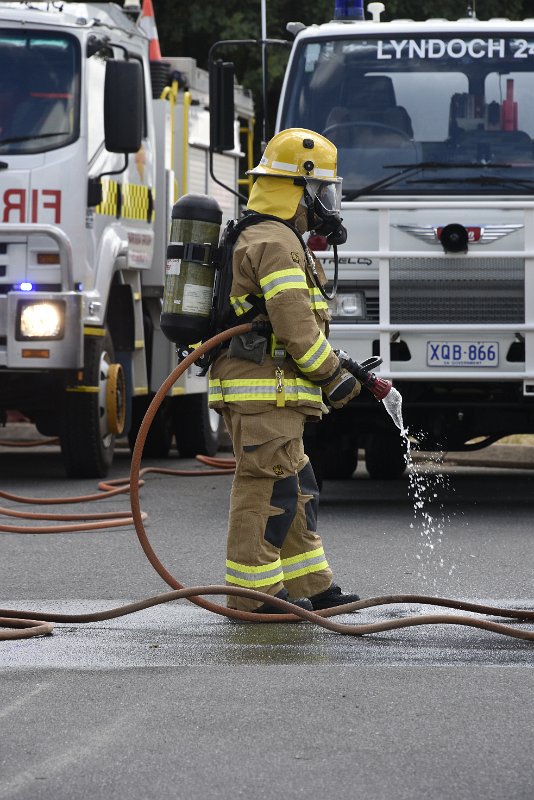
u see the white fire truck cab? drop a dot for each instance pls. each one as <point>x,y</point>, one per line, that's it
<point>96,143</point>
<point>434,125</point>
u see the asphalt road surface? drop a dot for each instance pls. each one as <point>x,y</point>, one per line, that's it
<point>174,702</point>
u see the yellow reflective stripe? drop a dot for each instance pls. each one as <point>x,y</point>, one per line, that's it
<point>89,389</point>
<point>315,356</point>
<point>286,562</point>
<point>239,390</point>
<point>94,331</point>
<point>240,304</point>
<point>251,576</point>
<point>282,280</point>
<point>214,390</point>
<point>304,563</point>
<point>317,300</point>
<point>298,573</point>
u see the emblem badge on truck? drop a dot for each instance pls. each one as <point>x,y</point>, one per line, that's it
<point>478,234</point>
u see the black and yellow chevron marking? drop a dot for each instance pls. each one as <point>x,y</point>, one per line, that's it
<point>135,201</point>
<point>126,200</point>
<point>110,199</point>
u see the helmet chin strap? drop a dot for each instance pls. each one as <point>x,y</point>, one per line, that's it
<point>312,216</point>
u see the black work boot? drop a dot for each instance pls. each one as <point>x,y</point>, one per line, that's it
<point>333,596</point>
<point>267,608</point>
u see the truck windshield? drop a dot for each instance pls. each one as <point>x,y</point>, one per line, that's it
<point>459,109</point>
<point>39,89</point>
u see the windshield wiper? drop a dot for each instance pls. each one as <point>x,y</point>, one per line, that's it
<point>407,170</point>
<point>15,139</point>
<point>484,180</point>
<point>450,165</point>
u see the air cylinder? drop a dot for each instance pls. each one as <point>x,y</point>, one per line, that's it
<point>190,270</point>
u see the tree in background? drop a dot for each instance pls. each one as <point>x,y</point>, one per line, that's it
<point>190,29</point>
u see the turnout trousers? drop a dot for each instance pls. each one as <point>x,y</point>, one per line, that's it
<point>272,541</point>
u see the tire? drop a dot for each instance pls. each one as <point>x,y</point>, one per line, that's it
<point>385,455</point>
<point>333,458</point>
<point>196,426</point>
<point>338,463</point>
<point>159,437</point>
<point>311,448</point>
<point>87,443</point>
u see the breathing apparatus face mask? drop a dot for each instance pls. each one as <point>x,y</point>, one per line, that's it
<point>323,201</point>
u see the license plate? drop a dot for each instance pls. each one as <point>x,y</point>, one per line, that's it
<point>462,354</point>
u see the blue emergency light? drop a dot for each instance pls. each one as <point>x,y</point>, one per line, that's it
<point>349,10</point>
<point>25,286</point>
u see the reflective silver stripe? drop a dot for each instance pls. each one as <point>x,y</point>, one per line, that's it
<point>316,299</point>
<point>284,165</point>
<point>276,572</point>
<point>242,301</point>
<point>215,391</point>
<point>240,305</point>
<point>252,576</point>
<point>275,285</point>
<point>304,566</point>
<point>323,173</point>
<point>266,390</point>
<point>315,360</point>
<point>248,389</point>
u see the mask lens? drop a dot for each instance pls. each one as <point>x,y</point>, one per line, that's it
<point>328,195</point>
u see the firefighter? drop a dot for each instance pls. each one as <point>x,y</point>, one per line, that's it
<point>268,386</point>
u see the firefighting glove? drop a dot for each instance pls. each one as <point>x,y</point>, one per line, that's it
<point>341,388</point>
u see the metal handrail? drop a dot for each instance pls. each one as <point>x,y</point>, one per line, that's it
<point>60,238</point>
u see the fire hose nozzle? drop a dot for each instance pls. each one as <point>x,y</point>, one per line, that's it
<point>379,387</point>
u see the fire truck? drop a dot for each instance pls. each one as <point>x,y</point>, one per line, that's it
<point>98,138</point>
<point>434,125</point>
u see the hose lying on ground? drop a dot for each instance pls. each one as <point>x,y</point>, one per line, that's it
<point>29,623</point>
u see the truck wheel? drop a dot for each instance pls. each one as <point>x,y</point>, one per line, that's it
<point>338,463</point>
<point>94,418</point>
<point>385,455</point>
<point>159,437</point>
<point>330,461</point>
<point>196,426</point>
<point>311,448</point>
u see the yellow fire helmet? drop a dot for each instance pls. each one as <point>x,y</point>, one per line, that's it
<point>299,153</point>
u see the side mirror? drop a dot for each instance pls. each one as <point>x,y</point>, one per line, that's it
<point>123,106</point>
<point>221,106</point>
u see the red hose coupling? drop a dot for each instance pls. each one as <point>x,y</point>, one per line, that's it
<point>379,387</point>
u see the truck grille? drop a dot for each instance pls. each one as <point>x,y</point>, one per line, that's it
<point>372,308</point>
<point>457,290</point>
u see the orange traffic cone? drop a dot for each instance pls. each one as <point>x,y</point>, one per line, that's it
<point>147,23</point>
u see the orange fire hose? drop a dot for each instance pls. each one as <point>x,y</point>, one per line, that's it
<point>29,623</point>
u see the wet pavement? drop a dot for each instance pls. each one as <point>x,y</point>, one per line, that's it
<point>180,635</point>
<point>173,702</point>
